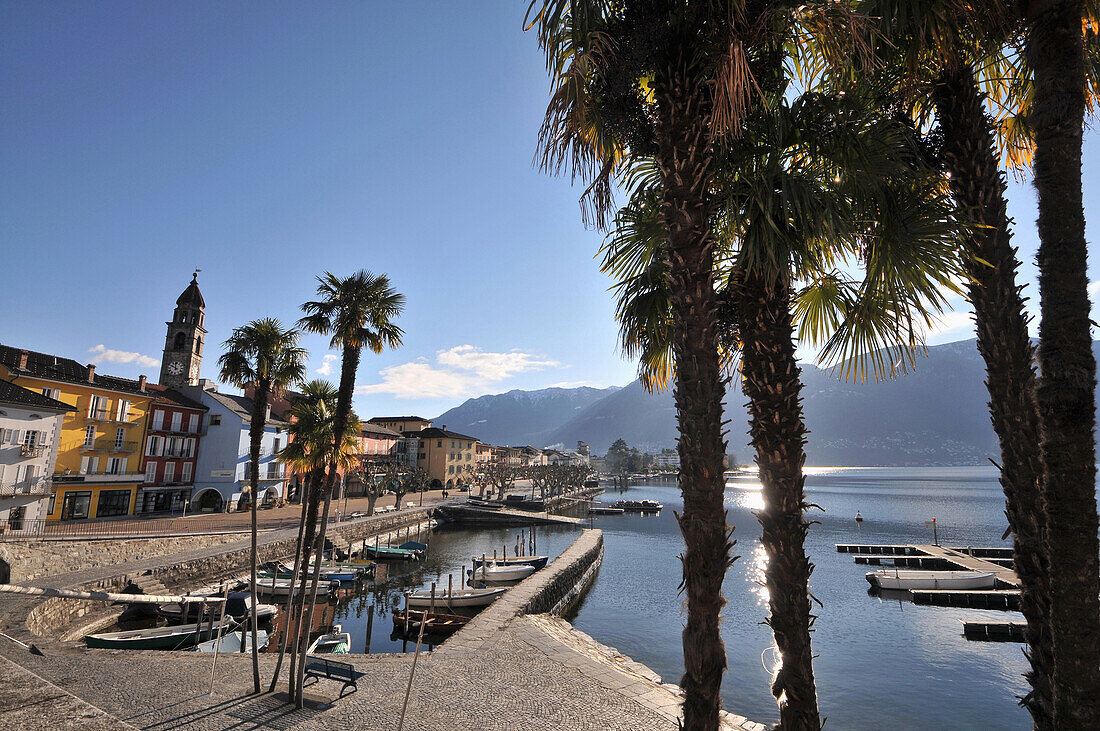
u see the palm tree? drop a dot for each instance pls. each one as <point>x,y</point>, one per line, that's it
<point>818,181</point>
<point>664,79</point>
<point>311,441</point>
<point>1067,381</point>
<point>357,312</point>
<point>263,356</point>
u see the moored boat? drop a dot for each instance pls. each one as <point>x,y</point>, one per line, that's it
<point>281,588</point>
<point>916,579</point>
<point>231,642</point>
<point>638,506</point>
<point>598,509</point>
<point>457,598</point>
<point>178,637</point>
<point>436,623</point>
<point>336,642</point>
<point>501,572</point>
<point>391,553</point>
<point>539,562</point>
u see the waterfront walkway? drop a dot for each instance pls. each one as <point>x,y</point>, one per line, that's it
<point>533,672</point>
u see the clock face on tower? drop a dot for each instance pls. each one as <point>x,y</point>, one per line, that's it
<point>175,368</point>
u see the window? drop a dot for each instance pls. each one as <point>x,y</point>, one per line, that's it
<point>420,456</point>
<point>158,420</point>
<point>89,465</point>
<point>452,444</point>
<point>274,470</point>
<point>89,435</point>
<point>113,502</point>
<point>450,469</point>
<point>248,470</point>
<point>276,446</point>
<point>116,465</point>
<point>152,449</point>
<point>439,444</point>
<point>188,447</point>
<point>53,503</point>
<point>150,472</point>
<point>186,476</point>
<point>97,407</point>
<point>9,436</point>
<point>177,421</point>
<point>169,471</point>
<point>31,439</point>
<point>215,419</point>
<point>180,342</point>
<point>120,437</point>
<point>123,410</point>
<point>76,505</point>
<point>54,393</point>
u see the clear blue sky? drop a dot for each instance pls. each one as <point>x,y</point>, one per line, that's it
<point>265,143</point>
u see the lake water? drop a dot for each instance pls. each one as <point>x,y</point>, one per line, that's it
<point>879,664</point>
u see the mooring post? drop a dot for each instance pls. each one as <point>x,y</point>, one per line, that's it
<point>370,625</point>
<point>450,591</point>
<point>484,570</point>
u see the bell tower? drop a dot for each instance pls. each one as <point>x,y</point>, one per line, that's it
<point>183,343</point>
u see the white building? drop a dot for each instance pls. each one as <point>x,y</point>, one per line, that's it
<point>667,458</point>
<point>221,468</point>
<point>29,427</point>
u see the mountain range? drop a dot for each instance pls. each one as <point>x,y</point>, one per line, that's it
<point>936,414</point>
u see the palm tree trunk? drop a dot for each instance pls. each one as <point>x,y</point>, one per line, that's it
<point>349,364</point>
<point>990,261</point>
<point>255,438</point>
<point>771,382</point>
<point>290,596</point>
<point>1067,380</point>
<point>301,633</point>
<point>684,157</point>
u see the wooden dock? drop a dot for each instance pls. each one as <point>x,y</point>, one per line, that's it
<point>940,557</point>
<point>995,631</point>
<point>1007,600</point>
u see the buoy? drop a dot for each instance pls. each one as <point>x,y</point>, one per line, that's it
<point>859,517</point>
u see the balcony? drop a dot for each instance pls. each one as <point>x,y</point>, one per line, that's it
<point>33,486</point>
<point>37,450</point>
<point>106,446</point>
<point>97,477</point>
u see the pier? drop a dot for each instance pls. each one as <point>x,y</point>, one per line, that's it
<point>995,631</point>
<point>927,556</point>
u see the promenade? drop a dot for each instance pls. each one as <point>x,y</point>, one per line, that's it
<point>506,670</point>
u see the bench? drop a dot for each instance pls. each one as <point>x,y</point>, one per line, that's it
<point>322,667</point>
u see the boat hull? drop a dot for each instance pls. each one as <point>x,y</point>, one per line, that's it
<point>502,573</point>
<point>922,580</point>
<point>468,598</point>
<point>162,638</point>
<point>539,562</point>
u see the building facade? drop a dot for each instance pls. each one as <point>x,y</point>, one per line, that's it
<point>402,424</point>
<point>30,427</point>
<point>449,458</point>
<point>170,452</point>
<point>98,469</point>
<point>222,466</point>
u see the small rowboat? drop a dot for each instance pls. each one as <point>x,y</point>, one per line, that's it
<point>437,623</point>
<point>538,562</point>
<point>281,588</point>
<point>916,579</point>
<point>231,642</point>
<point>160,638</point>
<point>458,598</point>
<point>498,572</point>
<point>336,642</point>
<point>392,553</point>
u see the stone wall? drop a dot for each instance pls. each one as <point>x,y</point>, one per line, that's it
<point>552,590</point>
<point>30,560</point>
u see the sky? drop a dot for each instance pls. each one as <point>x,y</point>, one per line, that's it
<point>267,143</point>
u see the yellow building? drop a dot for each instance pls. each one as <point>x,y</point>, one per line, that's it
<point>98,469</point>
<point>449,457</point>
<point>401,424</point>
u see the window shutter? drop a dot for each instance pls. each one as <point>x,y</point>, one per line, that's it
<point>125,461</point>
<point>94,464</point>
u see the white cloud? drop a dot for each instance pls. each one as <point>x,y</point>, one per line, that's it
<point>950,326</point>
<point>326,366</point>
<point>491,366</point>
<point>122,356</point>
<point>458,372</point>
<point>1094,289</point>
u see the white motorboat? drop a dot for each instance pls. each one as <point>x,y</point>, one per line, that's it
<point>336,642</point>
<point>501,572</point>
<point>457,598</point>
<point>916,579</point>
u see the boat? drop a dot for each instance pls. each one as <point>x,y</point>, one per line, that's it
<point>483,504</point>
<point>916,579</point>
<point>160,638</point>
<point>391,553</point>
<point>437,622</point>
<point>281,588</point>
<point>336,642</point>
<point>274,569</point>
<point>414,546</point>
<point>605,510</point>
<point>231,642</point>
<point>501,572</point>
<point>457,598</point>
<point>638,506</point>
<point>334,573</point>
<point>539,562</point>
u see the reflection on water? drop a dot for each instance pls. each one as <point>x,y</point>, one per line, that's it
<point>879,664</point>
